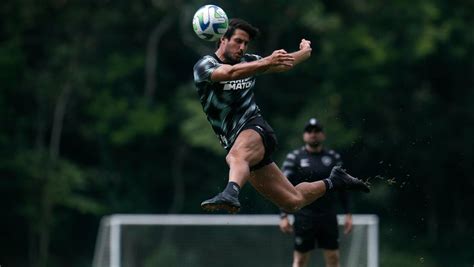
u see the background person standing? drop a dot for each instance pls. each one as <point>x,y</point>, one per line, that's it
<point>317,222</point>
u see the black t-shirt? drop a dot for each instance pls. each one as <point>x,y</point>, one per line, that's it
<point>228,104</point>
<point>302,166</point>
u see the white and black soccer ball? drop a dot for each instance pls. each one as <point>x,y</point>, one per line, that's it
<point>210,22</point>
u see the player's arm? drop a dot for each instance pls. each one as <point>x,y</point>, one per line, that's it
<point>290,169</point>
<point>304,53</point>
<point>285,225</point>
<point>345,202</point>
<point>278,59</point>
<point>348,223</point>
<point>343,194</point>
<point>301,55</point>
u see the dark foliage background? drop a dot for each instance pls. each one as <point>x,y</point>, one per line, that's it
<point>98,115</point>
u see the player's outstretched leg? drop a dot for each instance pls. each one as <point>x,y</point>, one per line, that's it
<point>339,178</point>
<point>222,201</point>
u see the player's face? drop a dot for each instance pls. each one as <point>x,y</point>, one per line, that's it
<point>314,137</point>
<point>236,46</point>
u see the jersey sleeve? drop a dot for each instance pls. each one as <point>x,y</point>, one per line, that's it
<point>337,158</point>
<point>290,167</point>
<point>251,57</point>
<point>204,68</point>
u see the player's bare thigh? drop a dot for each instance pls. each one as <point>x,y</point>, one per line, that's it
<point>249,147</point>
<point>272,184</point>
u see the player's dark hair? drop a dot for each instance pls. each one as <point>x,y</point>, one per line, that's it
<point>241,24</point>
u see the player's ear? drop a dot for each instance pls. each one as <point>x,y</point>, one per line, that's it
<point>220,42</point>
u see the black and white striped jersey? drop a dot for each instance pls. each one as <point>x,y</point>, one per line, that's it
<point>228,104</point>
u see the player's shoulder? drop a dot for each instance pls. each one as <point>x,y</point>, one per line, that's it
<point>295,153</point>
<point>333,153</point>
<point>250,57</point>
<point>206,60</point>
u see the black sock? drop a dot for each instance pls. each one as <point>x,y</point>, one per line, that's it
<point>232,189</point>
<point>329,184</point>
<point>333,182</point>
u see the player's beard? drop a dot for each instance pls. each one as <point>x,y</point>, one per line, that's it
<point>230,58</point>
<point>314,144</point>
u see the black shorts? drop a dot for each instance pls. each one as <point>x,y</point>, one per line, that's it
<point>270,142</point>
<point>321,229</point>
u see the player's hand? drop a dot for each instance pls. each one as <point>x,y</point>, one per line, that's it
<point>348,224</point>
<point>285,226</point>
<point>305,44</point>
<point>281,58</point>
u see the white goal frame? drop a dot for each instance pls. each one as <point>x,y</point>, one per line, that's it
<point>116,221</point>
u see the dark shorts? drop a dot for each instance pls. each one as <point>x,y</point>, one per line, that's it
<point>270,142</point>
<point>322,230</point>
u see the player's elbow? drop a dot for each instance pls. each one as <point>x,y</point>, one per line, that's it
<point>228,74</point>
<point>280,68</point>
<point>284,68</point>
<point>224,73</point>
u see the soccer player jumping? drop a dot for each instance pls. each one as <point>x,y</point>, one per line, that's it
<point>225,82</point>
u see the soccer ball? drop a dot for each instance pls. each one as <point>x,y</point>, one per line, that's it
<point>210,22</point>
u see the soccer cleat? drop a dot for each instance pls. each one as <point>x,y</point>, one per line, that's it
<point>341,179</point>
<point>222,201</point>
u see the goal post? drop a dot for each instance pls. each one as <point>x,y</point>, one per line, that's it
<point>200,240</point>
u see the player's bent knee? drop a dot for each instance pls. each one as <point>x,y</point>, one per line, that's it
<point>233,158</point>
<point>292,204</point>
<point>230,158</point>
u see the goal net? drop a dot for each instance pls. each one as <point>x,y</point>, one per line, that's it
<point>219,240</point>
